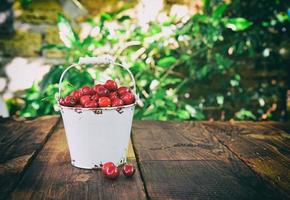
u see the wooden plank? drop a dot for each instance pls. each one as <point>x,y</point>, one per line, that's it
<point>284,126</point>
<point>201,179</point>
<point>190,163</point>
<point>176,141</point>
<point>264,149</point>
<point>19,143</point>
<point>51,176</point>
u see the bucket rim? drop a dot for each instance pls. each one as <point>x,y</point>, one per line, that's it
<point>99,108</point>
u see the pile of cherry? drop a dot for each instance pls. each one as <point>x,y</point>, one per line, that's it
<point>101,95</point>
<point>111,171</point>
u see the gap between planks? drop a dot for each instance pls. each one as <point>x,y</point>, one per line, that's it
<point>138,165</point>
<point>189,142</point>
<point>52,130</point>
<point>52,176</point>
<point>31,156</point>
<point>262,128</point>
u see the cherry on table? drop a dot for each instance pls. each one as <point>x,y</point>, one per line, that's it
<point>128,170</point>
<point>106,165</point>
<point>112,172</point>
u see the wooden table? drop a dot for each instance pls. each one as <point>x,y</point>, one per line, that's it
<point>174,160</point>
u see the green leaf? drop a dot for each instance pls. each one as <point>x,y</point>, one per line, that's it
<point>244,114</point>
<point>191,110</point>
<point>185,57</point>
<point>199,116</point>
<point>170,81</point>
<point>66,33</point>
<point>25,3</point>
<point>167,23</point>
<point>220,99</point>
<point>105,17</point>
<point>123,18</point>
<point>206,5</point>
<point>183,114</point>
<point>238,24</point>
<point>185,29</point>
<point>167,61</point>
<point>196,114</point>
<point>138,66</point>
<point>54,46</point>
<point>219,11</point>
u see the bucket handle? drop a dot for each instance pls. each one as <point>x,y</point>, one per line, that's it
<point>100,60</point>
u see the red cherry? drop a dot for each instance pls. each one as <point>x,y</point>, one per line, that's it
<point>106,165</point>
<point>78,106</point>
<point>128,98</point>
<point>128,170</point>
<point>70,101</point>
<point>95,88</point>
<point>112,172</point>
<point>84,99</point>
<point>61,102</point>
<point>86,90</point>
<point>76,94</point>
<point>113,95</point>
<point>123,90</point>
<point>101,90</point>
<point>95,97</point>
<point>91,104</point>
<point>117,102</point>
<point>111,85</point>
<point>104,102</point>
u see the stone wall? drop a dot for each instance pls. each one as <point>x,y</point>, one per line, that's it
<point>33,27</point>
<point>22,60</point>
<point>36,24</point>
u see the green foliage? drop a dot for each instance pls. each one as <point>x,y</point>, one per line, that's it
<point>25,3</point>
<point>244,114</point>
<point>183,70</point>
<point>238,24</point>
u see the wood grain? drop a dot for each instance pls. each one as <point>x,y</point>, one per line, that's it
<point>264,148</point>
<point>51,176</point>
<point>19,143</point>
<point>284,126</point>
<point>176,141</point>
<point>201,179</point>
<point>181,160</point>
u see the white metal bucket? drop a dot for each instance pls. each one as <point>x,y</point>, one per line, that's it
<point>97,135</point>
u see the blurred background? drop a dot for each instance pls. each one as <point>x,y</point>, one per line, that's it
<point>193,60</point>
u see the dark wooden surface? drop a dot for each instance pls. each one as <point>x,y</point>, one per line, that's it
<point>264,148</point>
<point>51,176</point>
<point>185,161</point>
<point>174,160</point>
<point>20,141</point>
